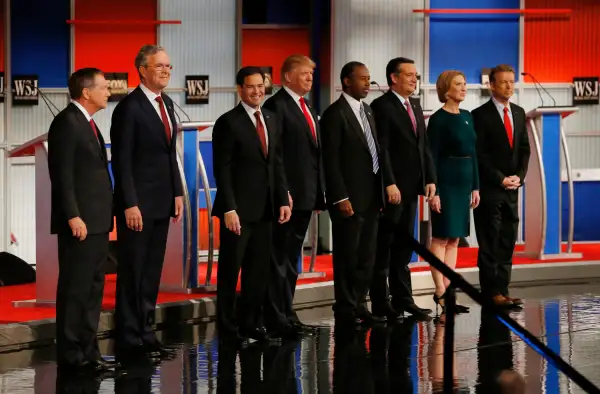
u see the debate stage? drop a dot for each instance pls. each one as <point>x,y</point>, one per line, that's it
<point>28,327</point>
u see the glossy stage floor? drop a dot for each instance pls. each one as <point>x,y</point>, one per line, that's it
<point>404,358</point>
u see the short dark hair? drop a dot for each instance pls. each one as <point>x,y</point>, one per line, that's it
<point>246,72</point>
<point>498,69</point>
<point>84,78</point>
<point>347,71</point>
<point>393,67</point>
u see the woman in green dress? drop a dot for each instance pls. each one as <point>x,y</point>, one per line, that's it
<point>452,139</point>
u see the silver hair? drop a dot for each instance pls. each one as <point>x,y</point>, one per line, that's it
<point>142,57</point>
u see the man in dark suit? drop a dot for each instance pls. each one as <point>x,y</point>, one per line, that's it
<point>354,191</point>
<point>251,193</point>
<point>304,172</point>
<point>407,159</point>
<point>148,191</point>
<point>503,156</point>
<point>81,217</point>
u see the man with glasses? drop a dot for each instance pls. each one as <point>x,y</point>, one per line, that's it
<point>148,191</point>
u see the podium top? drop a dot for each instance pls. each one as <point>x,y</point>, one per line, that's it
<point>563,111</point>
<point>197,126</point>
<point>28,148</point>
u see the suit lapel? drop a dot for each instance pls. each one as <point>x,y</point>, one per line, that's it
<point>517,126</point>
<point>371,124</point>
<point>153,116</point>
<point>499,121</point>
<point>247,124</point>
<point>171,113</point>
<point>270,126</point>
<point>86,127</point>
<point>403,114</point>
<point>297,111</point>
<point>353,121</point>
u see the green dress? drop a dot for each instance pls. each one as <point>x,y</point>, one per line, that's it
<point>453,145</point>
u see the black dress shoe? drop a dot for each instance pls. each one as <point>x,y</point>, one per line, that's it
<point>258,334</point>
<point>386,311</point>
<point>417,312</point>
<point>106,364</point>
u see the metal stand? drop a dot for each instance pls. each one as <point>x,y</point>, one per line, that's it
<point>450,307</point>
<point>314,221</point>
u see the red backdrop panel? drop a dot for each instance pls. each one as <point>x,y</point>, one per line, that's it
<point>559,48</point>
<point>270,47</point>
<point>112,48</point>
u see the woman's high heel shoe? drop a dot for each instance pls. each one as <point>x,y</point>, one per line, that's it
<point>459,308</point>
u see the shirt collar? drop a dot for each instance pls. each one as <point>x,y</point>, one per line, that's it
<point>294,95</point>
<point>354,103</point>
<point>401,98</point>
<point>249,109</point>
<point>82,109</point>
<point>500,106</point>
<point>149,93</point>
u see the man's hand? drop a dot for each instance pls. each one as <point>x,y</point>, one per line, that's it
<point>435,204</point>
<point>178,209</point>
<point>511,182</point>
<point>133,218</point>
<point>345,208</point>
<point>291,201</point>
<point>78,228</point>
<point>285,213</point>
<point>232,222</point>
<point>475,199</point>
<point>429,191</point>
<point>393,194</point>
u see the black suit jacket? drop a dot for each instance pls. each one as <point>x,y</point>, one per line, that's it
<point>496,158</point>
<point>348,162</point>
<point>406,157</point>
<point>247,181</point>
<point>78,167</point>
<point>144,164</point>
<point>302,157</point>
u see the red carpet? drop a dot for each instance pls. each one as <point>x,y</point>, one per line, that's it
<point>467,258</point>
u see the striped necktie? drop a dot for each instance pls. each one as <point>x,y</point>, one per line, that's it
<point>369,137</point>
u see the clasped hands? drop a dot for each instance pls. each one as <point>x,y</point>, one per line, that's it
<point>512,182</point>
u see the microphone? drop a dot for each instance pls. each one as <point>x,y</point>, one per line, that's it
<point>181,109</point>
<point>45,99</point>
<point>375,83</point>
<point>541,86</point>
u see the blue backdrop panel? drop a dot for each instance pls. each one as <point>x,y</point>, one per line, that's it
<point>551,155</point>
<point>470,42</point>
<point>207,155</point>
<point>40,40</point>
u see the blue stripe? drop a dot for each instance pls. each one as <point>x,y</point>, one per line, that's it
<point>551,158</point>
<point>552,323</point>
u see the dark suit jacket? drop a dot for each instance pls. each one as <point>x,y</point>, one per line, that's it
<point>144,164</point>
<point>247,181</point>
<point>406,156</point>
<point>302,158</point>
<point>348,162</point>
<point>496,158</point>
<point>78,167</point>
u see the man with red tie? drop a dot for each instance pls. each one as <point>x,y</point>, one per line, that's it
<point>81,217</point>
<point>503,156</point>
<point>148,191</point>
<point>251,194</point>
<point>300,139</point>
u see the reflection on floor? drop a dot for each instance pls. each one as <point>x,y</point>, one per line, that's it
<point>405,358</point>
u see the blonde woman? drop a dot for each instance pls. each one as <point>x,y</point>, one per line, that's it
<point>453,143</point>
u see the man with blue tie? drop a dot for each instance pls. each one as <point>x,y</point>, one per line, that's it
<point>354,192</point>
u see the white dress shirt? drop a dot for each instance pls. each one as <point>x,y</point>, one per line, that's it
<point>500,108</point>
<point>296,98</point>
<point>250,111</point>
<point>85,112</point>
<point>152,97</point>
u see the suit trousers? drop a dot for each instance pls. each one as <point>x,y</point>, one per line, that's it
<point>393,256</point>
<point>496,225</point>
<point>141,257</point>
<point>81,266</point>
<point>354,246</point>
<point>288,242</point>
<point>250,251</point>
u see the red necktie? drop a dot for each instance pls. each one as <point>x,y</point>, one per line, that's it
<point>165,118</point>
<point>260,129</point>
<point>94,128</point>
<point>508,127</point>
<point>308,117</point>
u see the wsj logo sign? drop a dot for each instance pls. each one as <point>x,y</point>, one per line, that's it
<point>117,85</point>
<point>25,90</point>
<point>197,89</point>
<point>586,90</point>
